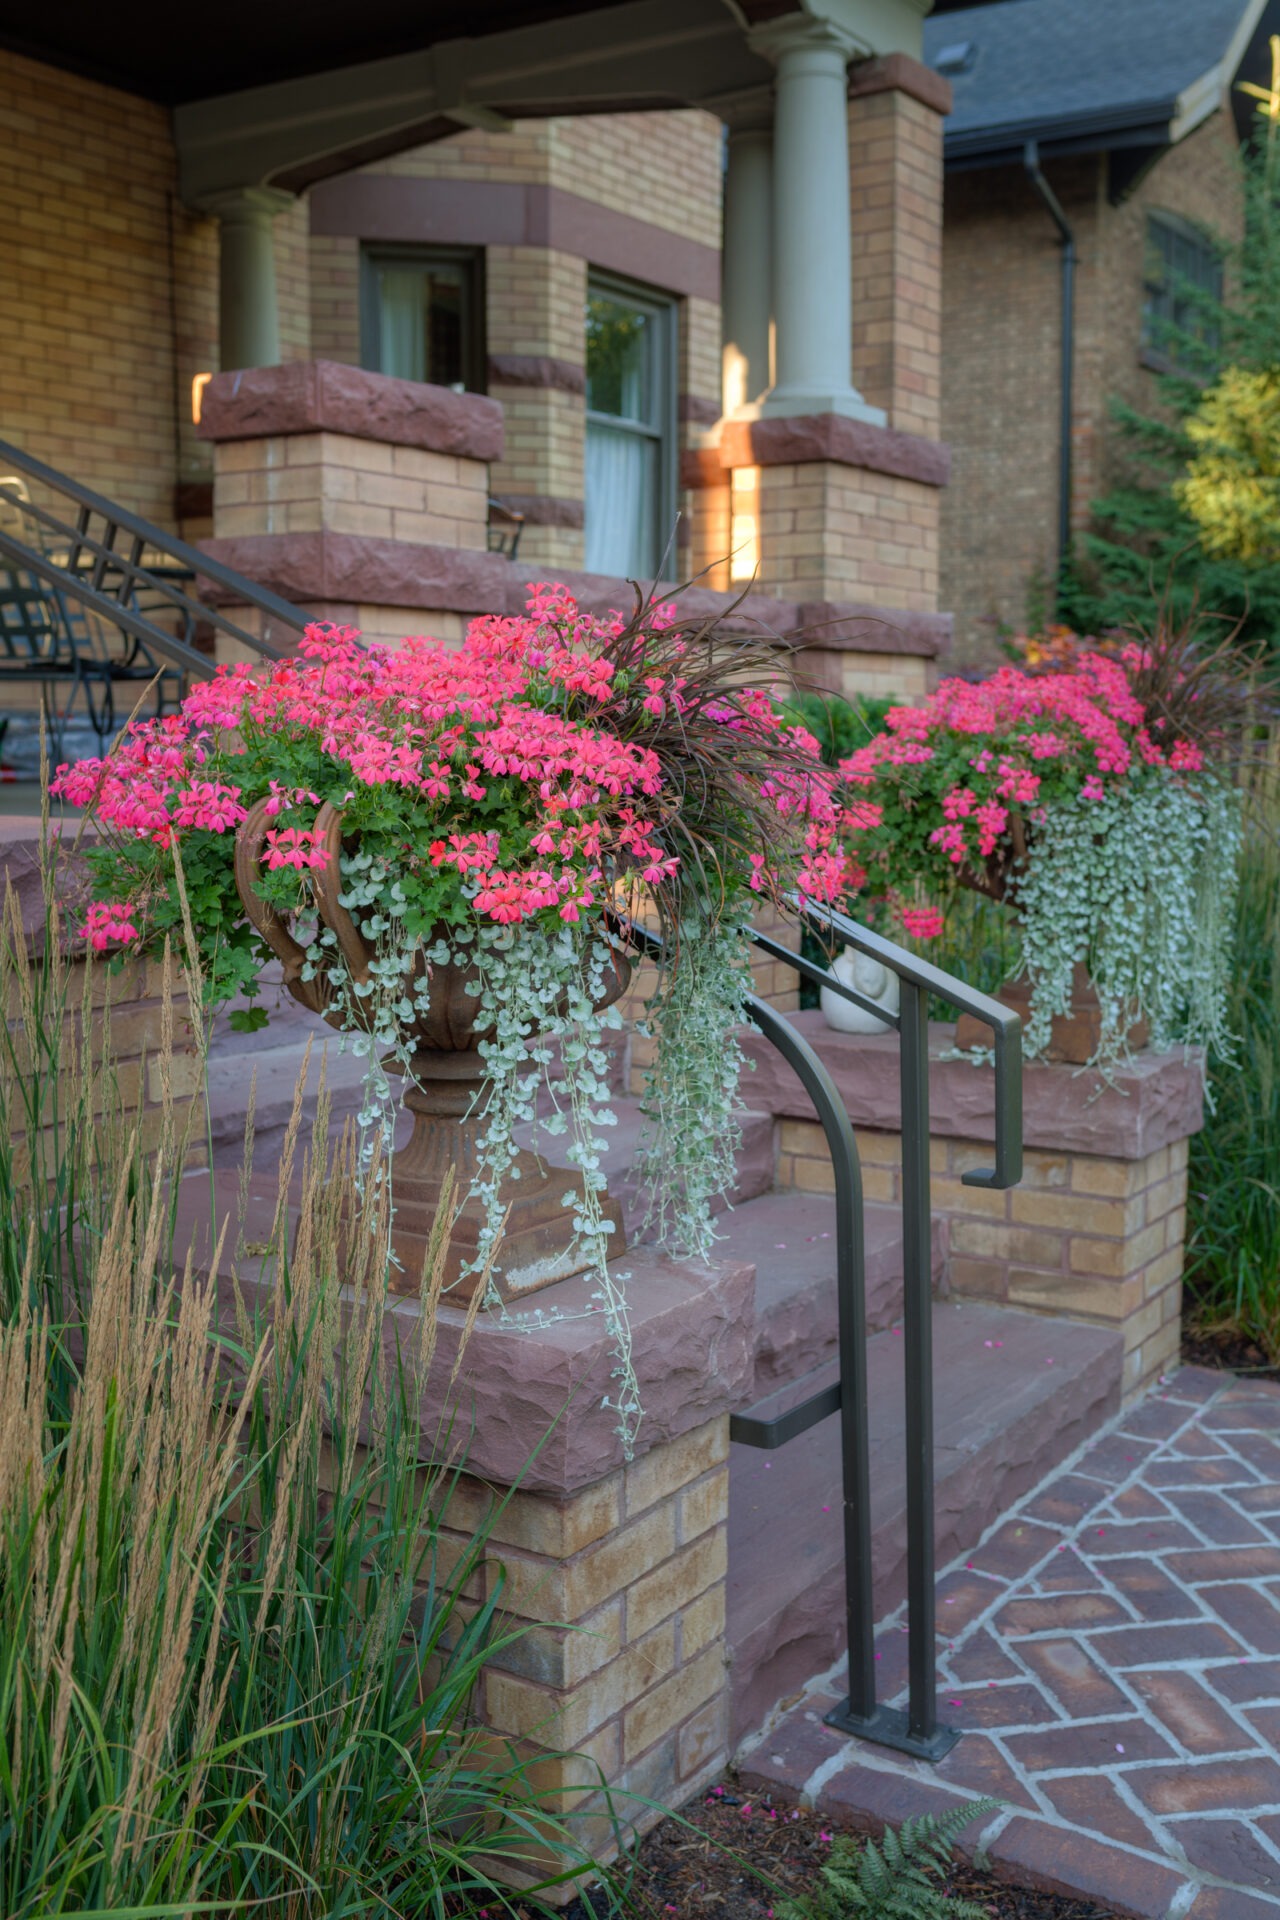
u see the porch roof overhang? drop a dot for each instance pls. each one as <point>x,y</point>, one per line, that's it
<point>264,103</point>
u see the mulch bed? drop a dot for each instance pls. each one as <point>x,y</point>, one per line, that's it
<point>1227,1350</point>
<point>728,1855</point>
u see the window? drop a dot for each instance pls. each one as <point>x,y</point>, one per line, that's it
<point>630,477</point>
<point>421,315</point>
<point>1182,264</point>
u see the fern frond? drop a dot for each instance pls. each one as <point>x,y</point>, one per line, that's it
<point>895,1880</point>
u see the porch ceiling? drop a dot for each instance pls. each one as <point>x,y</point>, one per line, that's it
<point>267,98</point>
<point>137,45</point>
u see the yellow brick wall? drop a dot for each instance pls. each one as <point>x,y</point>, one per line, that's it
<point>661,167</point>
<point>1198,180</point>
<point>476,154</point>
<point>292,237</point>
<point>1082,1236</point>
<point>1001,361</point>
<point>88,234</point>
<point>632,1679</point>
<point>906,677</point>
<point>126,1042</point>
<point>831,532</point>
<point>535,301</point>
<point>336,483</point>
<point>335,298</point>
<point>895,191</point>
<point>109,296</point>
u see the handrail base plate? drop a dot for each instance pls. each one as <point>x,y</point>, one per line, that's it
<point>890,1727</point>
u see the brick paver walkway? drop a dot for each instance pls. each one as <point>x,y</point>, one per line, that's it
<point>1114,1645</point>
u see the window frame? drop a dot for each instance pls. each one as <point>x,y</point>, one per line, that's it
<point>664,306</point>
<point>373,253</point>
<point>1172,286</point>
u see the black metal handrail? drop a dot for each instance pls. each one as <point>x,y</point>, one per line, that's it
<point>917,1731</point>
<point>101,555</point>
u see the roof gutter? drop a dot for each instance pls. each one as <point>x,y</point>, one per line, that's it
<point>1083,132</point>
<point>1031,162</point>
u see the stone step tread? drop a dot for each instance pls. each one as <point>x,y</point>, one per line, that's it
<point>791,1238</point>
<point>1014,1394</point>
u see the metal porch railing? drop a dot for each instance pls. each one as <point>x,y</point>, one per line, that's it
<point>917,1731</point>
<point>70,548</point>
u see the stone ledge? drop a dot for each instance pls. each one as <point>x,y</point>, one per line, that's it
<point>358,570</point>
<point>843,627</point>
<point>20,869</point>
<point>1157,1099</point>
<point>526,1408</point>
<point>319,396</point>
<point>702,467</point>
<point>808,438</point>
<point>899,73</point>
<point>537,370</point>
<point>544,509</point>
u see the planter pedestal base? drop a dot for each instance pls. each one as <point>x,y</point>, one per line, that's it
<point>537,1246</point>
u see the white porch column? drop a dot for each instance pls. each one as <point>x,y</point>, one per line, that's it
<point>747,273</point>
<point>249,326</point>
<point>812,300</point>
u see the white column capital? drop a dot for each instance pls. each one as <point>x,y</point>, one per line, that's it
<point>804,33</point>
<point>247,206</point>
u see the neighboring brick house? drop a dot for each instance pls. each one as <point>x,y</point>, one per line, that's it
<point>1128,109</point>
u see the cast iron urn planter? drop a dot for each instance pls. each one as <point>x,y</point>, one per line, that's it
<point>446,1096</point>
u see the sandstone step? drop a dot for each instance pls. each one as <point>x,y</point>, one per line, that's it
<point>1014,1394</point>
<point>791,1238</point>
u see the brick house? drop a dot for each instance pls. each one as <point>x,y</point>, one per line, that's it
<point>535,215</point>
<point>1123,114</point>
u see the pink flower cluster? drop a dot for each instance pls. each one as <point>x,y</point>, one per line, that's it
<point>514,768</point>
<point>966,777</point>
<point>107,923</point>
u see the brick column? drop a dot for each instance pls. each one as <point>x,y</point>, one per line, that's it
<point>841,517</point>
<point>1095,1230</point>
<point>362,498</point>
<point>616,1567</point>
<point>896,110</point>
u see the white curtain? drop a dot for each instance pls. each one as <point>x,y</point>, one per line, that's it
<point>620,501</point>
<point>402,322</point>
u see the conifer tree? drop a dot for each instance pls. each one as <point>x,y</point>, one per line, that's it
<point>1157,533</point>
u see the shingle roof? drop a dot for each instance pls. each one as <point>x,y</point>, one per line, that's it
<point>1058,69</point>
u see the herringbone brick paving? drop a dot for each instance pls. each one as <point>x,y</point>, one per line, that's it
<point>1113,1647</point>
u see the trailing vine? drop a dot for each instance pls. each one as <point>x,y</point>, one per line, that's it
<point>1140,886</point>
<point>692,1135</point>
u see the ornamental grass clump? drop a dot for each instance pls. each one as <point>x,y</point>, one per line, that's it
<point>237,1670</point>
<point>1098,802</point>
<point>509,806</point>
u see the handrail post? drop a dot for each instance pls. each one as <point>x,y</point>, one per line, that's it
<point>917,1340</point>
<point>851,1297</point>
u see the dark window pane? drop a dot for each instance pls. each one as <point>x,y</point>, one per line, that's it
<point>1182,265</point>
<point>620,355</point>
<point>423,314</point>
